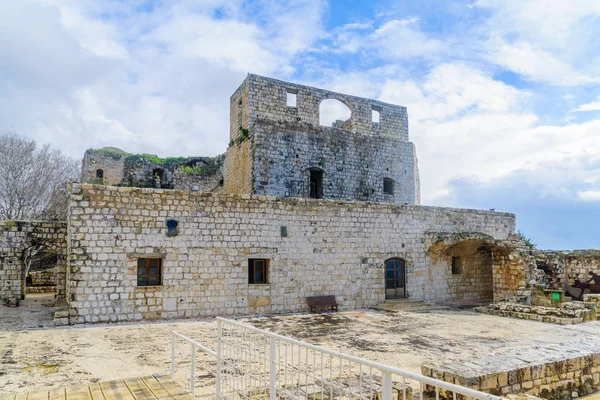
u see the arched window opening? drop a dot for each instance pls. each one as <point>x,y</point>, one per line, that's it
<point>375,114</point>
<point>395,278</point>
<point>334,113</point>
<point>158,176</point>
<point>316,184</point>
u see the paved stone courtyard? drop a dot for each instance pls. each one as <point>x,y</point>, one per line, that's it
<point>35,354</point>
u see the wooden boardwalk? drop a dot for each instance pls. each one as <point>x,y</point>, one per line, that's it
<point>154,387</point>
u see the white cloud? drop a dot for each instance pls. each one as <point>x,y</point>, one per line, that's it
<point>403,39</point>
<point>157,79</point>
<point>400,39</point>
<point>593,106</point>
<point>545,22</point>
<point>544,40</point>
<point>589,195</point>
<point>92,73</point>
<point>466,124</point>
<point>535,64</point>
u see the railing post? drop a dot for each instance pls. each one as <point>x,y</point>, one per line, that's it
<point>386,386</point>
<point>219,357</point>
<point>193,370</point>
<point>273,368</point>
<point>172,354</point>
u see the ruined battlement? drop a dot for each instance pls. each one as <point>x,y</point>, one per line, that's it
<point>279,147</point>
<point>259,97</point>
<point>115,167</point>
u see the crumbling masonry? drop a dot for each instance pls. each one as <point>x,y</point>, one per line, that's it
<point>292,209</point>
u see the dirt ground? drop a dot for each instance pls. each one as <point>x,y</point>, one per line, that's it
<point>34,354</point>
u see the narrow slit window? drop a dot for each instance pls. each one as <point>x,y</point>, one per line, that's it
<point>258,271</point>
<point>239,116</point>
<point>149,272</point>
<point>291,98</point>
<point>456,265</point>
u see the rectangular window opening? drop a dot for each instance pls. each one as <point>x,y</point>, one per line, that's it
<point>375,114</point>
<point>149,271</point>
<point>316,184</point>
<point>388,186</point>
<point>291,98</point>
<point>258,271</point>
<point>456,266</point>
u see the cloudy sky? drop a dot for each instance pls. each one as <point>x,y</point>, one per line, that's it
<point>503,96</point>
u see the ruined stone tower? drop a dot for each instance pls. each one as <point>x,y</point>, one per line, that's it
<point>278,147</point>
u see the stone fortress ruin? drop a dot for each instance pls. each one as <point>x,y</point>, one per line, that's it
<point>293,209</point>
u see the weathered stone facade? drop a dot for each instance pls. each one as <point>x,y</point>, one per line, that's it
<point>568,265</point>
<point>274,147</point>
<point>15,238</point>
<point>112,166</point>
<point>331,247</point>
<point>205,245</point>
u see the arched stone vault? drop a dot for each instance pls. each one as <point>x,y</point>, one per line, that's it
<point>17,240</point>
<point>507,267</point>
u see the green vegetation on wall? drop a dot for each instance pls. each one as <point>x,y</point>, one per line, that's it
<point>527,240</point>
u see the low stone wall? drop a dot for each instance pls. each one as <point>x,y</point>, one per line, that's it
<point>568,313</point>
<point>594,299</point>
<point>558,373</point>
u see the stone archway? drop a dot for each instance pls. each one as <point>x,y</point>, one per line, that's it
<point>21,244</point>
<point>479,267</point>
<point>40,270</point>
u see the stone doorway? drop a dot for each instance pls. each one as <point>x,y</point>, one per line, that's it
<point>395,279</point>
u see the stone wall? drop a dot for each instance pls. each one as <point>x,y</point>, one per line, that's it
<point>274,146</point>
<point>354,165</point>
<point>562,268</point>
<point>120,168</point>
<point>110,160</point>
<point>559,372</point>
<point>328,247</point>
<point>472,280</point>
<point>267,99</point>
<point>15,237</point>
<point>45,277</point>
<point>205,177</point>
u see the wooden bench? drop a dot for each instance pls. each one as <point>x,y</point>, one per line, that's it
<point>315,302</point>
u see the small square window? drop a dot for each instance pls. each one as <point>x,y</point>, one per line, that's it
<point>388,186</point>
<point>456,265</point>
<point>258,271</point>
<point>149,272</point>
<point>291,98</point>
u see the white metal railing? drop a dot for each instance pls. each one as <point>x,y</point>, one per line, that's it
<point>251,363</point>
